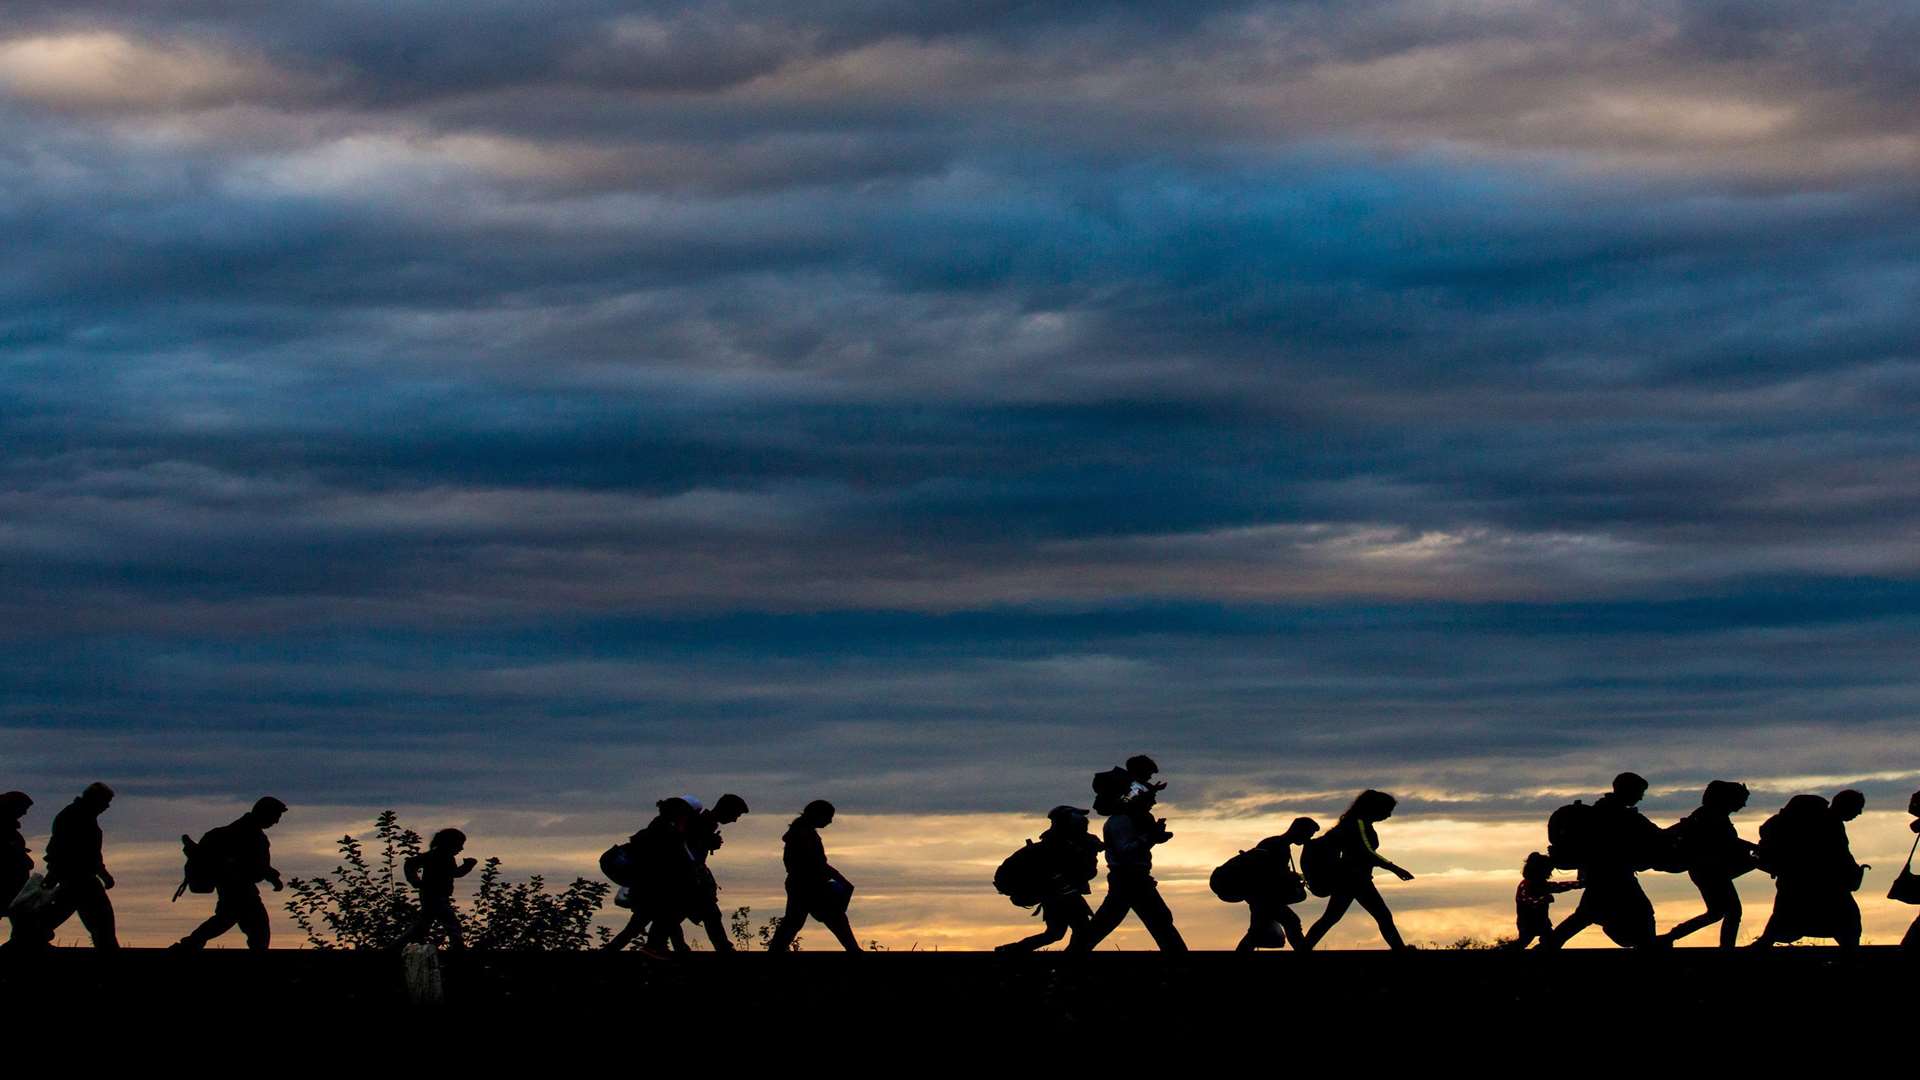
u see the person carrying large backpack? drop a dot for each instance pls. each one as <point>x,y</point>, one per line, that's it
<point>231,861</point>
<point>77,875</point>
<point>1354,848</point>
<point>663,879</point>
<point>1264,877</point>
<point>1131,835</point>
<point>1054,874</point>
<point>1806,850</point>
<point>1616,842</point>
<point>1714,855</point>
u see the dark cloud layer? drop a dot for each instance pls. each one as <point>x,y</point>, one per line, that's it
<point>932,401</point>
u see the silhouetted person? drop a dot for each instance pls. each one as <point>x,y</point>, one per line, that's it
<point>814,887</point>
<point>77,870</point>
<point>1072,860</point>
<point>703,839</point>
<point>1271,920</point>
<point>1621,842</point>
<point>243,859</point>
<point>1533,899</point>
<point>1805,848</point>
<point>666,875</point>
<point>1358,845</point>
<point>16,860</point>
<point>1912,940</point>
<point>1714,854</point>
<point>1131,836</point>
<point>432,872</point>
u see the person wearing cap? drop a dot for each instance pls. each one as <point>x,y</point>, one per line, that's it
<point>16,860</point>
<point>1623,844</point>
<point>244,859</point>
<point>703,839</point>
<point>1072,862</point>
<point>77,870</point>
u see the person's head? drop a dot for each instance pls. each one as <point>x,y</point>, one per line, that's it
<point>1727,796</point>
<point>1068,818</point>
<point>1141,767</point>
<point>676,812</point>
<point>268,811</point>
<point>1301,831</point>
<point>818,814</point>
<point>729,809</point>
<point>15,804</point>
<point>1371,805</point>
<point>1629,787</point>
<point>1913,804</point>
<point>451,841</point>
<point>1537,867</point>
<point>1848,804</point>
<point>1803,807</point>
<point>97,796</point>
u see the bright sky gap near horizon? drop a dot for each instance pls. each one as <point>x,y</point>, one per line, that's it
<point>514,414</point>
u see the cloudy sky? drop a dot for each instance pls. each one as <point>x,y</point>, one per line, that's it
<point>515,413</point>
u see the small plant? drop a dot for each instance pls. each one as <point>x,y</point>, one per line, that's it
<point>741,929</point>
<point>366,902</point>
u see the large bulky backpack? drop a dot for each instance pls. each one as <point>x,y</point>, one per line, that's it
<point>1570,836</point>
<point>1239,879</point>
<point>1320,863</point>
<point>205,860</point>
<point>1110,790</point>
<point>621,865</point>
<point>1024,876</point>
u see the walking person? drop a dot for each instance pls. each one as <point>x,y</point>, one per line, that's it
<point>1715,855</point>
<point>16,858</point>
<point>1355,843</point>
<point>1131,835</point>
<point>1271,920</point>
<point>1618,843</point>
<point>1805,848</point>
<point>1533,900</point>
<point>77,871</point>
<point>703,839</point>
<point>1911,941</point>
<point>240,858</point>
<point>432,873</point>
<point>814,888</point>
<point>1066,861</point>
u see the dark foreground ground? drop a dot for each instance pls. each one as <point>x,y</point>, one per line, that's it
<point>1379,1000</point>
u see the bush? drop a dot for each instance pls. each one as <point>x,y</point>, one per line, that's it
<point>367,904</point>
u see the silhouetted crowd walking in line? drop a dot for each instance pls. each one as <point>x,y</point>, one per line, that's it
<point>664,879</point>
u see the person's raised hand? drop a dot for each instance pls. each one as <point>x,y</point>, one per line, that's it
<point>106,880</point>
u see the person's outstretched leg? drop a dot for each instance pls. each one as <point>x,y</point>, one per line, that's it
<point>636,924</point>
<point>842,930</point>
<point>1113,908</point>
<point>1375,905</point>
<point>1158,919</point>
<point>1290,926</point>
<point>96,914</point>
<point>250,915</point>
<point>1337,905</point>
<point>1723,903</point>
<point>1057,926</point>
<point>1581,918</point>
<point>789,928</point>
<point>716,928</point>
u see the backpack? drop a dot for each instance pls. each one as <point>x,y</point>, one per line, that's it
<point>1110,790</point>
<point>621,865</point>
<point>1570,836</point>
<point>1024,876</point>
<point>1320,863</point>
<point>205,861</point>
<point>1239,879</point>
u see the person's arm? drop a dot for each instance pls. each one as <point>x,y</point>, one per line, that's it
<point>466,866</point>
<point>1374,857</point>
<point>1565,886</point>
<point>410,869</point>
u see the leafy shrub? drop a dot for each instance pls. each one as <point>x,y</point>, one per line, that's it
<point>366,902</point>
